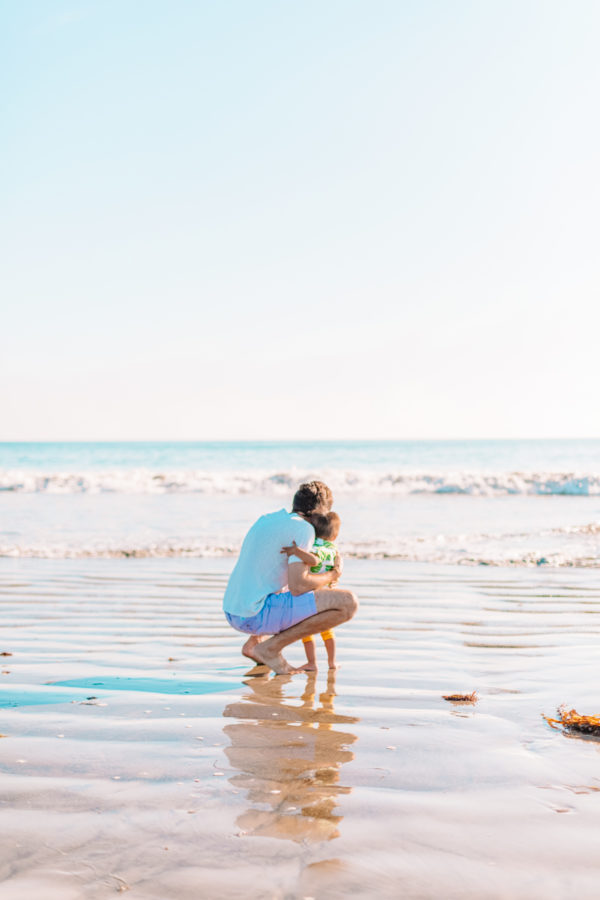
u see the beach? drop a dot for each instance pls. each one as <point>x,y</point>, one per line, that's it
<point>138,755</point>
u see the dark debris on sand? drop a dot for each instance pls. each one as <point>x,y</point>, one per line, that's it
<point>572,722</point>
<point>462,698</point>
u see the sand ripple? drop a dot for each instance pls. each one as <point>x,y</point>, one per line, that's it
<point>139,754</point>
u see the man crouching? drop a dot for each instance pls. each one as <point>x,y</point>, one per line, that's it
<point>271,594</point>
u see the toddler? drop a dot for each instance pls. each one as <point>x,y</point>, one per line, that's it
<point>320,559</point>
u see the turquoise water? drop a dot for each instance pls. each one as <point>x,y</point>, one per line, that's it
<point>149,685</point>
<point>499,455</point>
<point>78,690</point>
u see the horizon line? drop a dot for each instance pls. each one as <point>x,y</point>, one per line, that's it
<point>344,440</point>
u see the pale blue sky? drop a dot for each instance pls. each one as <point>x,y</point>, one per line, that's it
<point>299,219</point>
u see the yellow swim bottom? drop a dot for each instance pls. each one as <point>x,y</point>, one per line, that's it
<point>326,635</point>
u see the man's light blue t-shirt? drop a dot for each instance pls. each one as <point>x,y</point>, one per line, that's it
<point>262,568</point>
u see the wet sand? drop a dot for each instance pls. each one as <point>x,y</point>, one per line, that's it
<point>137,756</point>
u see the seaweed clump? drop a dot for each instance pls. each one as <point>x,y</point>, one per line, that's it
<point>461,698</point>
<point>571,721</point>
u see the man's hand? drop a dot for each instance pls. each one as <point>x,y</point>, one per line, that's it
<point>336,572</point>
<point>338,565</point>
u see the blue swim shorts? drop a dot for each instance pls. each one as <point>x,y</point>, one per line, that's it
<point>280,611</point>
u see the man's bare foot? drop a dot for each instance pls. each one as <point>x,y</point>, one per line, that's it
<point>248,649</point>
<point>275,661</point>
<point>308,667</point>
<point>333,667</point>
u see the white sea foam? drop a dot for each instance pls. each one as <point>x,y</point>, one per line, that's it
<point>473,550</point>
<point>355,481</point>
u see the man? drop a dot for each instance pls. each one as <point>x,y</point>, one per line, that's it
<point>269,594</point>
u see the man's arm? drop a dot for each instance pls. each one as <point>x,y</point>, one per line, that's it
<point>311,559</point>
<point>300,580</point>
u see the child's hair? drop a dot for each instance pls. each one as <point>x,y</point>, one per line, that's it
<point>326,527</point>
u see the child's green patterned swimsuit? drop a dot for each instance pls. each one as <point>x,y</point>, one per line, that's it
<point>327,552</point>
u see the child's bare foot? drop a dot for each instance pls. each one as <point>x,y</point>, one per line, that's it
<point>333,667</point>
<point>275,661</point>
<point>308,667</point>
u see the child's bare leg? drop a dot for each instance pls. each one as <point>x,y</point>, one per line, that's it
<point>330,647</point>
<point>311,658</point>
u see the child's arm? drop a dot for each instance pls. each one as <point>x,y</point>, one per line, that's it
<point>309,559</point>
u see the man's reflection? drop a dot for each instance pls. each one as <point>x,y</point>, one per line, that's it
<point>289,758</point>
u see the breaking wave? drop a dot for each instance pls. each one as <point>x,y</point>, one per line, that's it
<point>363,481</point>
<point>445,550</point>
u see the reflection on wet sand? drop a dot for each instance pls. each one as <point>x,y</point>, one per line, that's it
<point>289,758</point>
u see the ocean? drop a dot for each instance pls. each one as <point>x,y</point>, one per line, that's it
<point>505,502</point>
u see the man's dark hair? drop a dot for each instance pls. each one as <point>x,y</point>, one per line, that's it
<point>326,527</point>
<point>312,496</point>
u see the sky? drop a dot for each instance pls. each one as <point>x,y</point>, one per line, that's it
<point>249,219</point>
